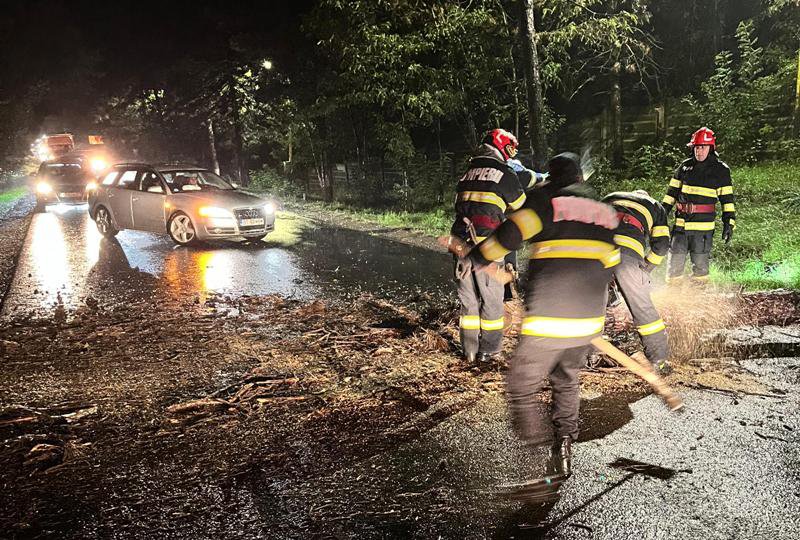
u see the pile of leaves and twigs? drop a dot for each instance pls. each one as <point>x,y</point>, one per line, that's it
<point>137,404</point>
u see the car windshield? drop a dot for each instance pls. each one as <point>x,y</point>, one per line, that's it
<point>189,180</point>
<point>62,170</point>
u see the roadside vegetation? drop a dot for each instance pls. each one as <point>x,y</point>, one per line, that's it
<point>12,194</point>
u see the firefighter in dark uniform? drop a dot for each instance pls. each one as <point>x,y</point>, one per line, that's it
<point>643,238</point>
<point>487,190</point>
<point>572,259</point>
<point>697,185</point>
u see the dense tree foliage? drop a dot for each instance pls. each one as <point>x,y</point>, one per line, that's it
<point>380,101</point>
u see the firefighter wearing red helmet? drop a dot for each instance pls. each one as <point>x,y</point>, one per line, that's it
<point>488,189</point>
<point>697,185</point>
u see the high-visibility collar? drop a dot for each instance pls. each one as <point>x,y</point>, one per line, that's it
<point>598,250</point>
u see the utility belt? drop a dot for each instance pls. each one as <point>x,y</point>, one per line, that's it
<point>624,217</point>
<point>692,208</point>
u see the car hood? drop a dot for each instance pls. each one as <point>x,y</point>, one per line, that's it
<point>223,199</point>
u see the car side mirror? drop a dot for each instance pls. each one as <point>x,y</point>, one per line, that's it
<point>155,189</point>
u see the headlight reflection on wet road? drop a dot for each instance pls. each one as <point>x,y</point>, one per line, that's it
<point>48,254</point>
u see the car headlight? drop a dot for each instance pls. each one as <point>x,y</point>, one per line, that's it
<point>98,164</point>
<point>91,186</point>
<point>269,208</point>
<point>215,212</point>
<point>43,188</point>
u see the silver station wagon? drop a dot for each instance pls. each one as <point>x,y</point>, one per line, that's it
<point>188,203</point>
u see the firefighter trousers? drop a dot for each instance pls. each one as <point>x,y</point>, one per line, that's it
<point>634,284</point>
<point>697,246</point>
<point>481,321</point>
<point>530,366</point>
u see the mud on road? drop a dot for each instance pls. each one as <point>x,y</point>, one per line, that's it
<point>133,416</point>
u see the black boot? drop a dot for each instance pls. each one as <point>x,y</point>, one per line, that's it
<point>561,456</point>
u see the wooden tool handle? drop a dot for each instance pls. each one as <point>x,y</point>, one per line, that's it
<point>673,400</point>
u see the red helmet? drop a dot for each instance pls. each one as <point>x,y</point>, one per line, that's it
<point>703,137</point>
<point>504,141</point>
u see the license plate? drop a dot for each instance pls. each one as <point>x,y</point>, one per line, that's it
<point>72,195</point>
<point>251,222</point>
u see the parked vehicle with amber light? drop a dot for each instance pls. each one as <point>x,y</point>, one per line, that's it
<point>188,203</point>
<point>65,182</point>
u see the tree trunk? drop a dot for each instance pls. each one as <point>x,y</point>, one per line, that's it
<point>238,148</point>
<point>212,146</point>
<point>533,84</point>
<point>616,123</point>
<point>797,99</point>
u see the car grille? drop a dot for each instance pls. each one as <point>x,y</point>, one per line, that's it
<point>250,213</point>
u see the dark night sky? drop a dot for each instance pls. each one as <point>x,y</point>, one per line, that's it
<point>86,49</point>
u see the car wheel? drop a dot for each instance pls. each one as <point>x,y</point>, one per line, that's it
<point>181,229</point>
<point>40,207</point>
<point>102,218</point>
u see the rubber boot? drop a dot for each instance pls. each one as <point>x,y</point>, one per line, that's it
<point>561,456</point>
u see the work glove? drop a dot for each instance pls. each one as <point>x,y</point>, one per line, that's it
<point>727,232</point>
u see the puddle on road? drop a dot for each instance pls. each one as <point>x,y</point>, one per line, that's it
<point>66,260</point>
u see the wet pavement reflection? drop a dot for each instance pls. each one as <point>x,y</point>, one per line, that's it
<point>65,260</point>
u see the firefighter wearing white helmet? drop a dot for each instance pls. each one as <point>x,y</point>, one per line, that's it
<point>694,190</point>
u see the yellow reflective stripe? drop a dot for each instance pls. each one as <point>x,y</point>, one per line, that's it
<point>558,327</point>
<point>493,324</point>
<point>492,250</point>
<point>699,226</point>
<point>572,249</point>
<point>639,208</point>
<point>527,221</point>
<point>519,201</point>
<point>732,222</point>
<point>674,182</point>
<point>612,259</point>
<point>697,190</point>
<point>668,199</point>
<point>469,322</point>
<point>680,222</point>
<point>729,207</point>
<point>659,230</point>
<point>655,259</point>
<point>628,242</point>
<point>652,328</point>
<point>725,190</point>
<point>483,197</point>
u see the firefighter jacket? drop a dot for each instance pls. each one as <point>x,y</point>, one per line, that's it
<point>572,256</point>
<point>694,190</point>
<point>487,190</point>
<point>642,227</point>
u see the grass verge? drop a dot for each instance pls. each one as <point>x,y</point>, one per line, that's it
<point>12,194</point>
<point>764,252</point>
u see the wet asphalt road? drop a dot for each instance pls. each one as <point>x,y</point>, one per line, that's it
<point>727,468</point>
<point>65,260</point>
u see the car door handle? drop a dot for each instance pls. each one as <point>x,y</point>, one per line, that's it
<point>134,198</point>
